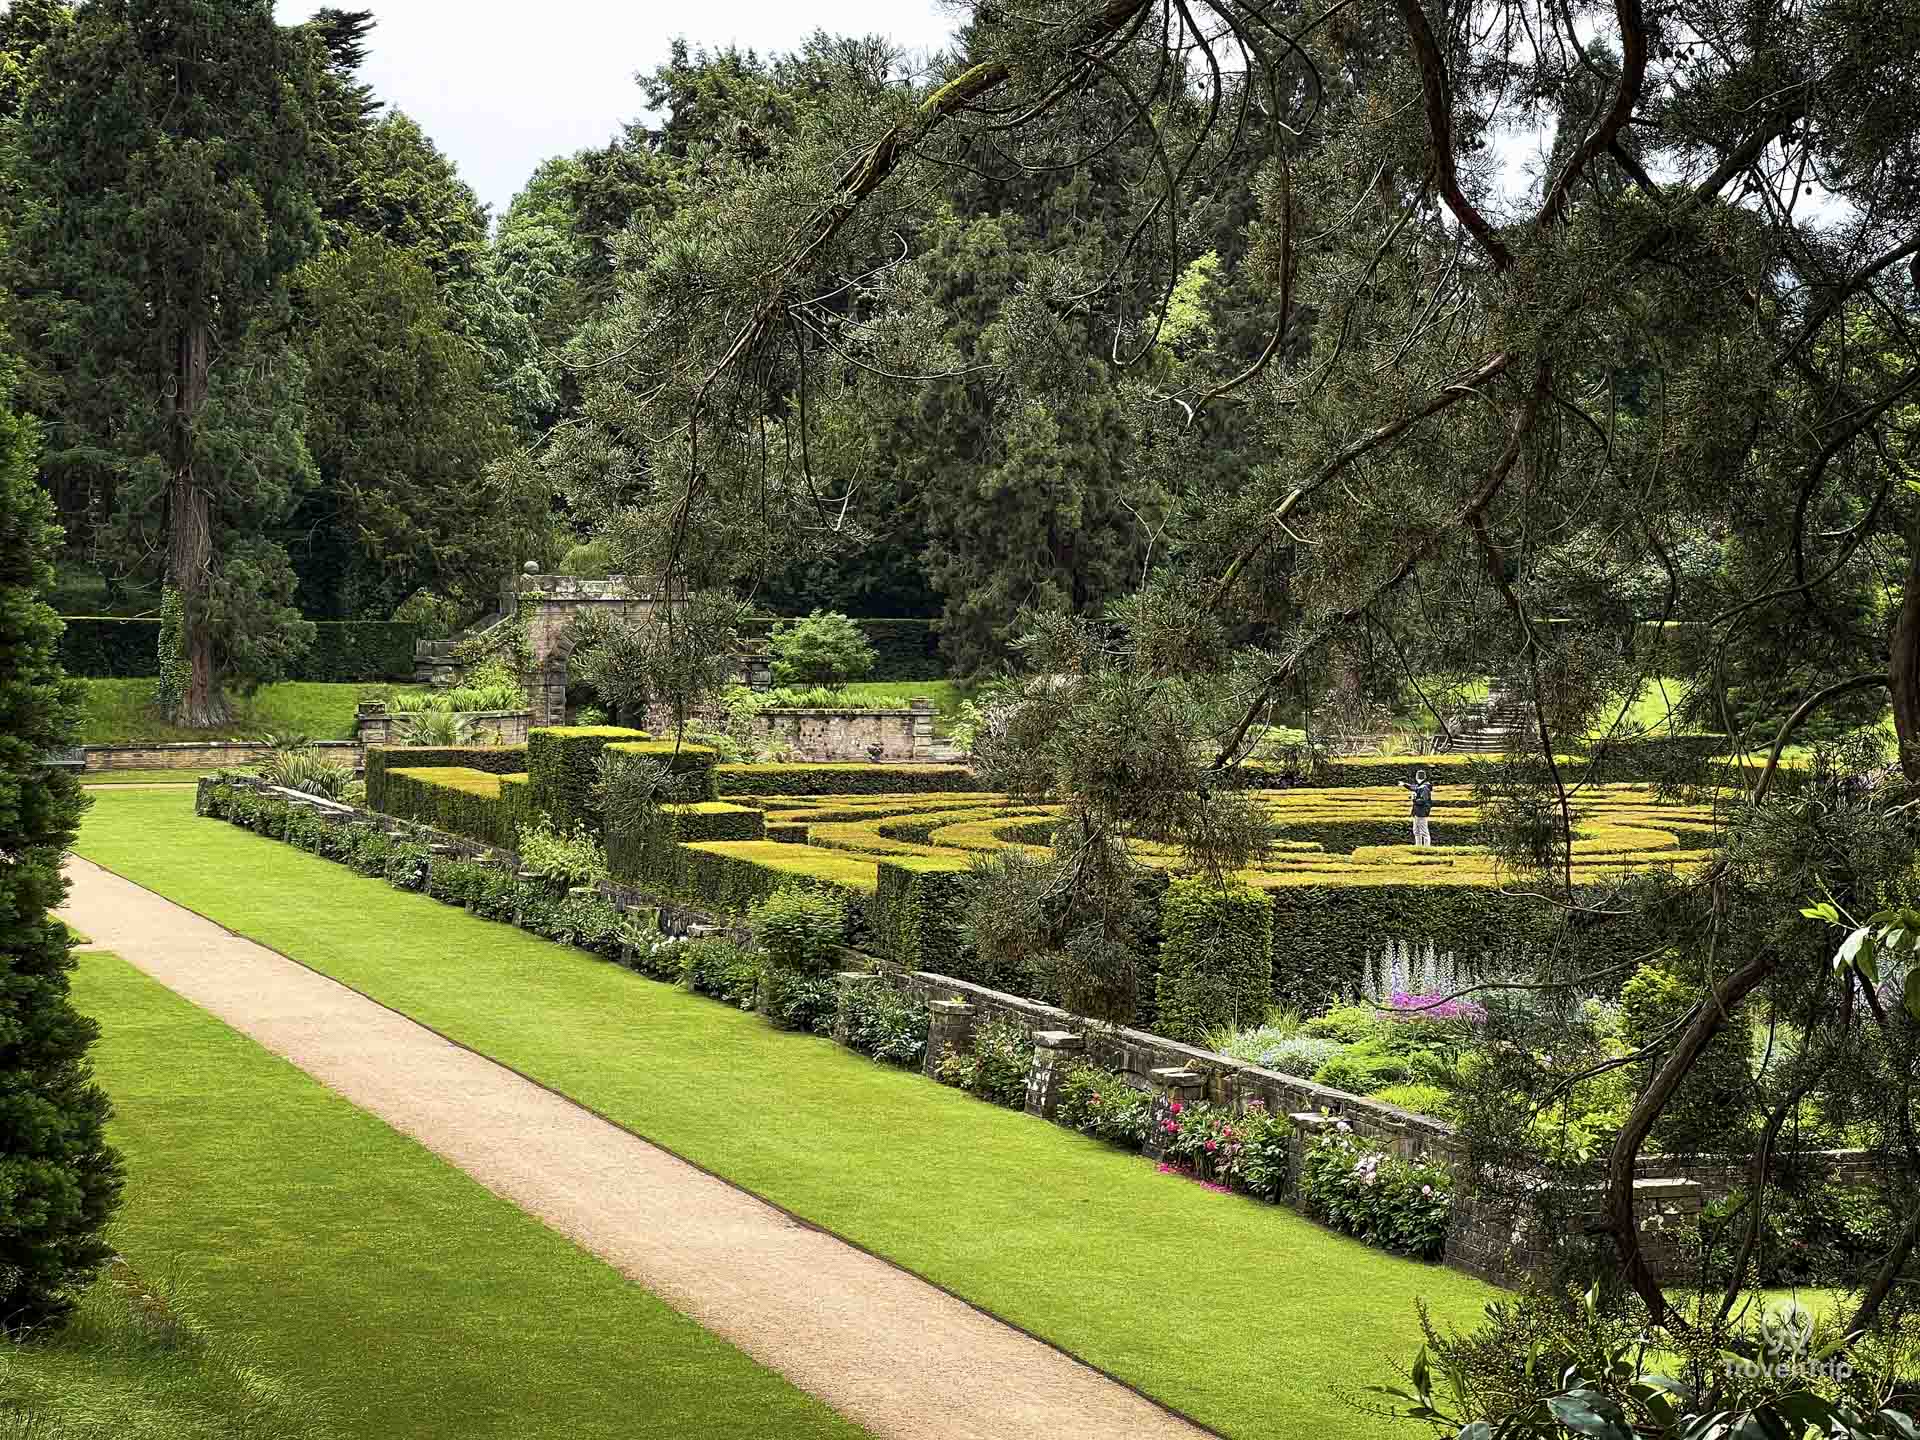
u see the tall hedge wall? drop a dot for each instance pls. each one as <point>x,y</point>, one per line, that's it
<point>381,759</point>
<point>915,918</point>
<point>1216,958</point>
<point>694,763</point>
<point>646,853</point>
<point>842,779</point>
<point>1323,933</point>
<point>561,760</point>
<point>343,651</point>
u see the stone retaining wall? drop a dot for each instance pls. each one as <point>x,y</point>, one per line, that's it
<point>374,724</point>
<point>204,755</point>
<point>879,736</point>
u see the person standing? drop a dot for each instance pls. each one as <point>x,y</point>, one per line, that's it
<point>1422,790</point>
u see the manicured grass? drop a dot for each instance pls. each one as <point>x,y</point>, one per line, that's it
<point>136,1362</point>
<point>409,1299</point>
<point>1244,1315</point>
<point>107,778</point>
<point>121,712</point>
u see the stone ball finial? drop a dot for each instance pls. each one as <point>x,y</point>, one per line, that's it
<point>532,567</point>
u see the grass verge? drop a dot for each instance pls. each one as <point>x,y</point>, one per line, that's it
<point>1244,1315</point>
<point>409,1299</point>
<point>137,1363</point>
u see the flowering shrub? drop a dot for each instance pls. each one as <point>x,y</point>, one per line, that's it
<point>1299,1055</point>
<point>1101,1103</point>
<point>1403,1007</point>
<point>1243,1150</point>
<point>652,954</point>
<point>1356,1186</point>
<point>997,1068</point>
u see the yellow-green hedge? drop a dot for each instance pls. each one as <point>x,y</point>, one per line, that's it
<point>1216,958</point>
<point>560,760</point>
<point>849,779</point>
<point>494,759</point>
<point>915,918</point>
<point>647,851</point>
<point>732,876</point>
<point>457,800</point>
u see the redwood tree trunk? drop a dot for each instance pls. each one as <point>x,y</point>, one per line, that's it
<point>1903,666</point>
<point>190,539</point>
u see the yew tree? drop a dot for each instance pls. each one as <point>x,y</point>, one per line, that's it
<point>157,178</point>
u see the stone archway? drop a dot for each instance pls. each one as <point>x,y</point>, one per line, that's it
<point>548,605</point>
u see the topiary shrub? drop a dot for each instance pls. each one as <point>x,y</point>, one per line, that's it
<point>493,759</point>
<point>1216,958</point>
<point>918,914</point>
<point>843,779</point>
<point>644,850</point>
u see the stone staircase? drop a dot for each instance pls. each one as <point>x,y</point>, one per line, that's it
<point>1502,724</point>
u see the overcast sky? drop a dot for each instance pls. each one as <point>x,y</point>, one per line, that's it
<point>502,84</point>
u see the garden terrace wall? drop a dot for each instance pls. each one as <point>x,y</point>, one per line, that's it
<point>375,725</point>
<point>204,755</point>
<point>876,736</point>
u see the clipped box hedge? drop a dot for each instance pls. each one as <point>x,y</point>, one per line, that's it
<point>648,856</point>
<point>732,876</point>
<point>380,759</point>
<point>1216,958</point>
<point>456,800</point>
<point>915,918</point>
<point>561,761</point>
<point>682,758</point>
<point>343,651</point>
<point>840,779</point>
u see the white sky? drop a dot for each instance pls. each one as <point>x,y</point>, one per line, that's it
<point>500,85</point>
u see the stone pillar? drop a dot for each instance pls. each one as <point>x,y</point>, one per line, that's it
<point>1174,1088</point>
<point>1052,1051</point>
<point>922,709</point>
<point>846,982</point>
<point>949,1030</point>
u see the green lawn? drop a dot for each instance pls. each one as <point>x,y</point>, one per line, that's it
<point>121,712</point>
<point>136,1362</point>
<point>109,778</point>
<point>405,1297</point>
<point>1244,1315</point>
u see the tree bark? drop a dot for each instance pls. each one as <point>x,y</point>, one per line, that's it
<point>1903,666</point>
<point>190,538</point>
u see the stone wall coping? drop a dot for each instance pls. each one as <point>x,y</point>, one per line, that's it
<point>953,1007</point>
<point>1175,1075</point>
<point>1207,1060</point>
<point>189,746</point>
<point>1058,1039</point>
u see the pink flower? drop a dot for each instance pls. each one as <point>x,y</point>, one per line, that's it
<point>1171,1127</point>
<point>1426,1190</point>
<point>1210,1147</point>
<point>1178,1107</point>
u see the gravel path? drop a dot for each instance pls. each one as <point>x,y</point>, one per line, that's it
<point>889,1351</point>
